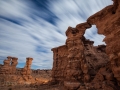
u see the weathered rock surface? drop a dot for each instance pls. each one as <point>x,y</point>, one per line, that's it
<point>78,61</point>
<point>7,68</point>
<point>78,65</point>
<point>21,77</point>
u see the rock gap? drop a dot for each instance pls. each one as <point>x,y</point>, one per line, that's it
<point>92,35</point>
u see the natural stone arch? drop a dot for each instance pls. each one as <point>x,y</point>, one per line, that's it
<point>92,35</point>
<point>107,22</point>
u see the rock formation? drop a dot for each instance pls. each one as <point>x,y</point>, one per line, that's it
<point>21,77</point>
<point>59,67</point>
<point>79,64</point>
<point>26,72</point>
<point>27,69</point>
<point>9,66</point>
<point>71,69</point>
<point>13,65</point>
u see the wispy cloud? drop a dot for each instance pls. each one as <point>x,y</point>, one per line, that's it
<point>33,27</point>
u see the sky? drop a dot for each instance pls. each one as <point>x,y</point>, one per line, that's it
<point>30,28</point>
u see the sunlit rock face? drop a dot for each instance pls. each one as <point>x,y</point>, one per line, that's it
<point>11,73</point>
<point>87,64</point>
<point>9,66</point>
<point>10,76</point>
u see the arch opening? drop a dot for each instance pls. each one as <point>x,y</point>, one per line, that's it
<point>92,35</point>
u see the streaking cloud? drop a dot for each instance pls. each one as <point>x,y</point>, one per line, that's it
<point>33,27</point>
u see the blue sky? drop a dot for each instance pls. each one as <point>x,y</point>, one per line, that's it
<point>30,28</point>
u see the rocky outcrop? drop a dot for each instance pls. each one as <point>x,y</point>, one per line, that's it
<point>26,72</point>
<point>59,67</point>
<point>22,77</point>
<point>9,66</point>
<point>84,63</point>
<point>9,72</point>
<point>77,62</point>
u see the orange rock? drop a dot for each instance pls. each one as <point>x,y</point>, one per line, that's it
<point>79,58</point>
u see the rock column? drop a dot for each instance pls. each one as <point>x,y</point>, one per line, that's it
<point>76,57</point>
